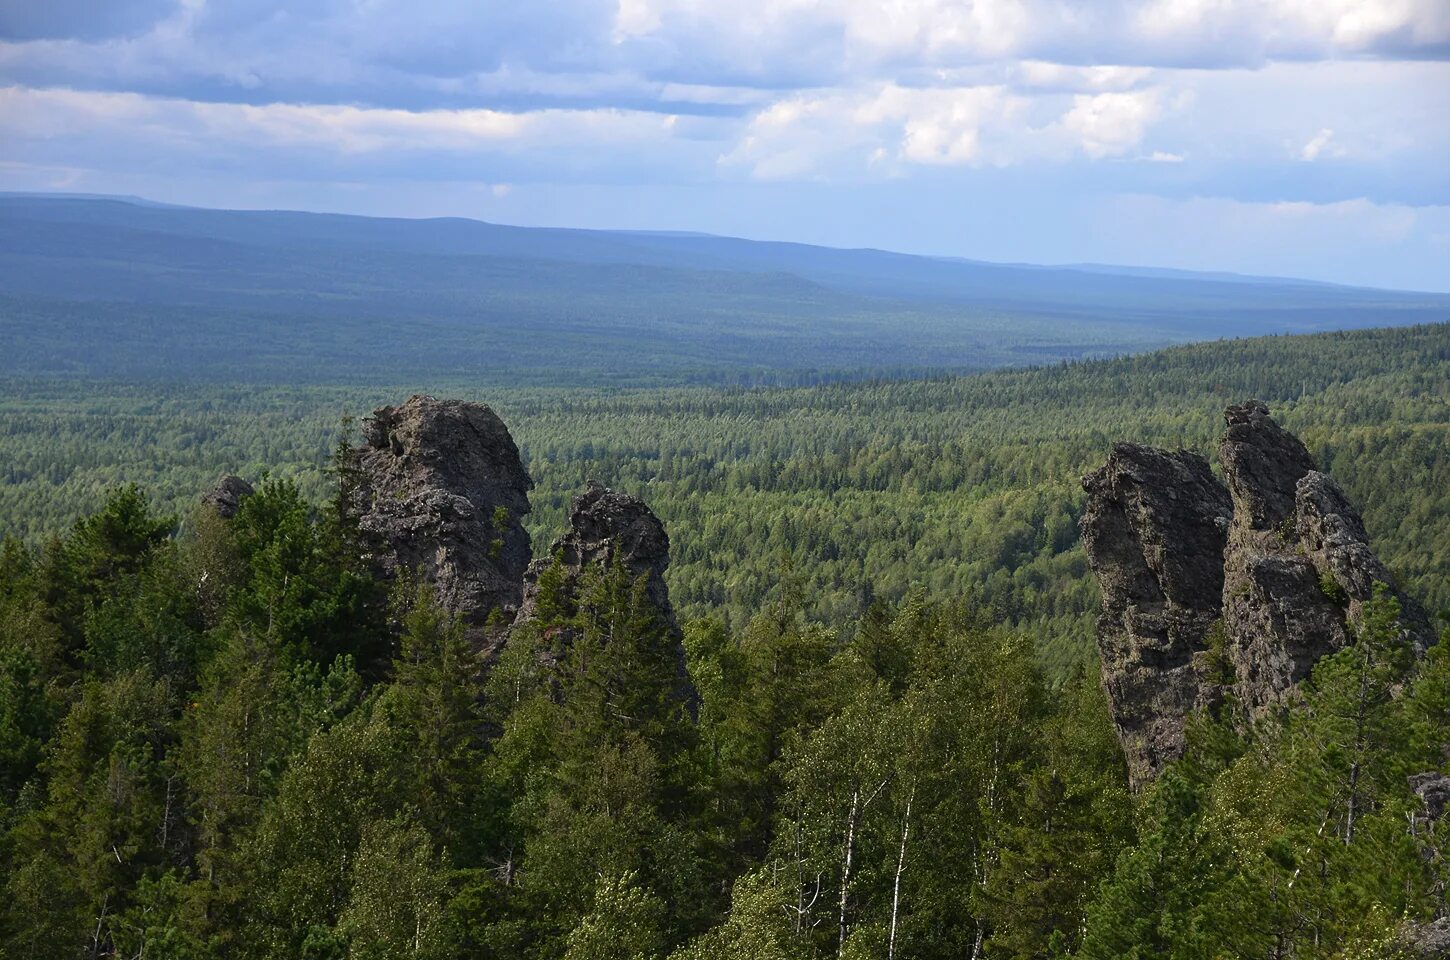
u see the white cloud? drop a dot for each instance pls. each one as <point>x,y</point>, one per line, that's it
<point>771,38</point>
<point>32,114</point>
<point>1040,75</point>
<point>1163,156</point>
<point>887,129</point>
<point>1268,29</point>
<point>870,30</point>
<point>1111,124</point>
<point>881,131</point>
<point>1321,144</point>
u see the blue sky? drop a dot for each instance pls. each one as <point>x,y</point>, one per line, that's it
<point>1298,137</point>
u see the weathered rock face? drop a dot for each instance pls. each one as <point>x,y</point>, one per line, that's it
<point>1261,462</point>
<point>607,527</point>
<point>1154,530</point>
<point>227,496</point>
<point>1428,940</point>
<point>1278,619</point>
<point>1433,789</point>
<point>1281,559</point>
<point>1331,534</point>
<point>1298,566</point>
<point>441,491</point>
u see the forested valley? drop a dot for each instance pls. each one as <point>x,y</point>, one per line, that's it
<point>964,487</point>
<point>224,737</point>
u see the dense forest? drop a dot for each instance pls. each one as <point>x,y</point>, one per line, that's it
<point>232,742</point>
<point>962,487</point>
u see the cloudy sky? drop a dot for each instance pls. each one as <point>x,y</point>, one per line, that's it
<point>1298,137</point>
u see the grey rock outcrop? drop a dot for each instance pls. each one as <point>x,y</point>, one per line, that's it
<point>1261,462</point>
<point>440,490</point>
<point>1423,941</point>
<point>227,495</point>
<point>1433,789</point>
<point>1154,530</point>
<point>1298,568</point>
<point>1428,940</point>
<point>1278,619</point>
<point>1280,558</point>
<point>607,527</point>
<point>1332,535</point>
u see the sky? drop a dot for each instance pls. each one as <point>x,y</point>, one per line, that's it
<point>1302,138</point>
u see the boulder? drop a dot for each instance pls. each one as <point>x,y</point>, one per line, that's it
<point>607,527</point>
<point>227,495</point>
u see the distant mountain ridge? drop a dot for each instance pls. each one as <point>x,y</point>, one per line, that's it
<point>167,287</point>
<point>1213,276</point>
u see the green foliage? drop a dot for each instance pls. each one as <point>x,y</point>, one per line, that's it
<point>959,486</point>
<point>397,907</point>
<point>594,752</point>
<point>223,741</point>
<point>625,924</point>
<point>1331,589</point>
<point>1299,842</point>
<point>302,587</point>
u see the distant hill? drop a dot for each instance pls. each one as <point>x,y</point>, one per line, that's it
<point>122,287</point>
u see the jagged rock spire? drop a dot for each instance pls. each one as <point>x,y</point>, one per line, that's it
<point>1262,463</point>
<point>1287,581</point>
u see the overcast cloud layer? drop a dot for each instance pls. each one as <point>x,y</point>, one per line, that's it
<point>1301,137</point>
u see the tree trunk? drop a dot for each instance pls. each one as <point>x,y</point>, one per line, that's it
<point>846,869</point>
<point>900,868</point>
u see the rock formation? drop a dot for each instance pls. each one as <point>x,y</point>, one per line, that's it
<point>440,491</point>
<point>1277,567</point>
<point>606,527</point>
<point>227,495</point>
<point>1154,530</point>
<point>1433,789</point>
<point>1332,535</point>
<point>1278,618</point>
<point>1298,567</point>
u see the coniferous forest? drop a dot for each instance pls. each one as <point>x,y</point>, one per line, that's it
<point>225,737</point>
